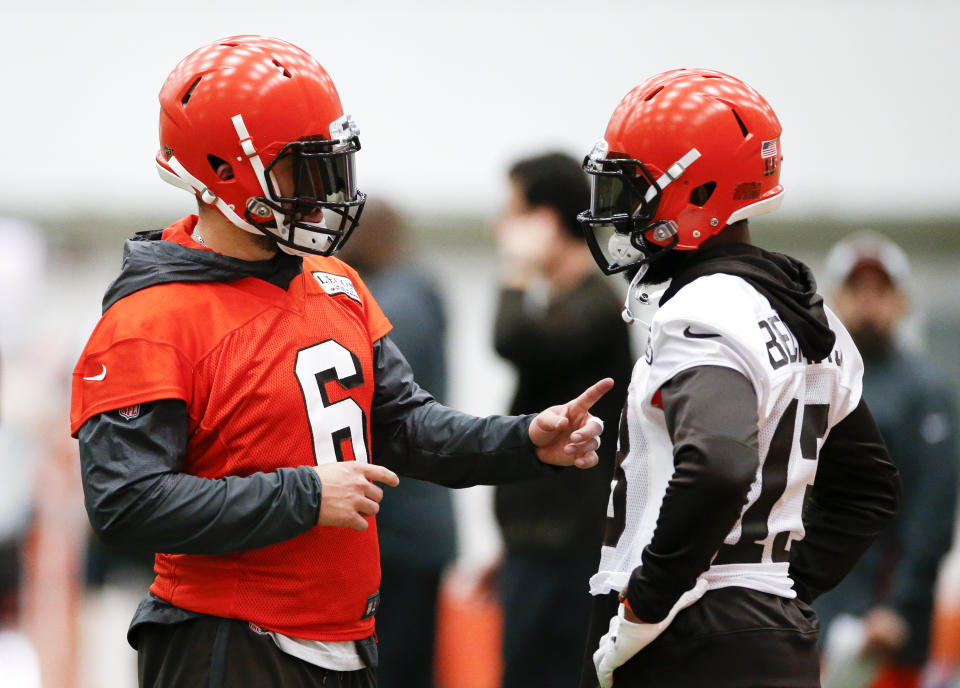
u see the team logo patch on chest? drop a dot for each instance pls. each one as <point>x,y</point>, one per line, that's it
<point>336,284</point>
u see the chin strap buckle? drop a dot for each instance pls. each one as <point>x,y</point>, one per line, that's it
<point>633,292</point>
<point>625,312</point>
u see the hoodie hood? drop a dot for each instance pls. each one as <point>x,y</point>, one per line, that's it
<point>157,257</point>
<point>787,284</point>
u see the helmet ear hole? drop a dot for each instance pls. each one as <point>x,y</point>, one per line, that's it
<point>702,194</point>
<point>220,167</point>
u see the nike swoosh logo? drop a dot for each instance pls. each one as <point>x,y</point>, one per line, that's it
<point>698,335</point>
<point>97,378</point>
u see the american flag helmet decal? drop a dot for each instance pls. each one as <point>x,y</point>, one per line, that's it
<point>768,149</point>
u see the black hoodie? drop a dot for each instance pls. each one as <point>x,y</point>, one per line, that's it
<point>787,283</point>
<point>148,261</point>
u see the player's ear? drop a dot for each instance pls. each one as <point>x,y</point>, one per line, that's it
<point>225,171</point>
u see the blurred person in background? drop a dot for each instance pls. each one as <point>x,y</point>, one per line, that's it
<point>21,261</point>
<point>891,589</point>
<point>416,518</point>
<point>114,581</point>
<point>558,322</point>
<point>228,401</point>
<point>19,662</point>
<point>21,456</point>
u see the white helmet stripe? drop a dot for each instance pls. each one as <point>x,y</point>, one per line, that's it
<point>246,143</point>
<point>674,171</point>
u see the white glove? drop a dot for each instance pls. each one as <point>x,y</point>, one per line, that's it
<point>626,638</point>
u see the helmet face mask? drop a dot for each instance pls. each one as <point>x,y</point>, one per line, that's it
<point>618,191</point>
<point>618,226</point>
<point>312,203</point>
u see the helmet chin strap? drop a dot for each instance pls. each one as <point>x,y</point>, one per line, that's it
<point>250,150</point>
<point>633,292</point>
<point>625,312</point>
<point>285,227</point>
<point>672,173</point>
<point>181,178</point>
<point>666,230</point>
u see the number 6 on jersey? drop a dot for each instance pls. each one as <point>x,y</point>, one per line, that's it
<point>332,423</point>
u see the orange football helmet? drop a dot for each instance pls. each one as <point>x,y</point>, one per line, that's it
<point>685,154</point>
<point>269,111</point>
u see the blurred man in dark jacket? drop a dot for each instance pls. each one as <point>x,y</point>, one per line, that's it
<point>558,323</point>
<point>892,587</point>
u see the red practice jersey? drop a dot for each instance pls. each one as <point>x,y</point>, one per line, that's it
<point>271,378</point>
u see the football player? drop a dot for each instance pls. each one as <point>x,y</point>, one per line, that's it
<point>240,395</point>
<point>750,475</point>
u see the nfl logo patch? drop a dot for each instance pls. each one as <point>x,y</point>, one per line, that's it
<point>129,412</point>
<point>372,603</point>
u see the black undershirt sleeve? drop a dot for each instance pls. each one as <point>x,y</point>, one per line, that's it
<point>418,437</point>
<point>855,495</point>
<point>711,416</point>
<point>137,497</point>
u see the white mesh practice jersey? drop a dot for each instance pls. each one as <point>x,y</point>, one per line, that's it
<point>721,320</point>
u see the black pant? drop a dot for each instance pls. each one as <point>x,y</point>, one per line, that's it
<point>211,652</point>
<point>546,610</point>
<point>406,625</point>
<point>732,638</point>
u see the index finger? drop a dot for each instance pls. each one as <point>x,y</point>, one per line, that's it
<point>372,471</point>
<point>593,393</point>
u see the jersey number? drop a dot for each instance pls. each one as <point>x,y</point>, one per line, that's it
<point>754,525</point>
<point>332,424</point>
<point>618,496</point>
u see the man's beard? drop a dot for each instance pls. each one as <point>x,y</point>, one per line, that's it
<point>659,270</point>
<point>872,342</point>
